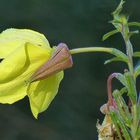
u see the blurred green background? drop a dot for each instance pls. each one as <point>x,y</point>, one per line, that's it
<point>79,23</point>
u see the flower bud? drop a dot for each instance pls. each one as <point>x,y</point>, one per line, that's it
<point>60,60</point>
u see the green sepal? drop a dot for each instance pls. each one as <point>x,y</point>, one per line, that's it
<point>107,35</point>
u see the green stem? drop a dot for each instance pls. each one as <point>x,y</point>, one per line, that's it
<point>129,52</point>
<point>113,51</point>
<point>129,48</point>
<point>91,49</point>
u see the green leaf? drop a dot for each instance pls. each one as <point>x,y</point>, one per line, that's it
<point>137,71</point>
<point>119,20</point>
<point>119,125</point>
<point>115,122</point>
<point>121,78</point>
<point>132,33</point>
<point>122,107</point>
<point>114,59</point>
<point>107,35</point>
<point>136,54</point>
<point>123,90</point>
<point>138,133</point>
<point>134,24</point>
<point>119,8</point>
<point>131,87</point>
<point>138,106</point>
<point>41,93</point>
<point>120,54</point>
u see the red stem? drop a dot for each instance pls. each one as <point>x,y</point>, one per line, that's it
<point>109,88</point>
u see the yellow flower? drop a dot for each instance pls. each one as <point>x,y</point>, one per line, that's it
<point>23,52</point>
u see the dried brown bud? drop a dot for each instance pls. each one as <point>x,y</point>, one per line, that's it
<point>60,60</point>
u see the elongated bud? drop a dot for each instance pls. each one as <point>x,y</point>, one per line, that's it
<point>60,60</point>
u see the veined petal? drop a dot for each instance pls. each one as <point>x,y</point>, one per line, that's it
<point>17,68</point>
<point>41,93</point>
<point>11,39</point>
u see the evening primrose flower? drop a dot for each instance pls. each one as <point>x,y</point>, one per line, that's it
<point>30,67</point>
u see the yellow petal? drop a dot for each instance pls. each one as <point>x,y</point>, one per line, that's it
<point>41,93</point>
<point>11,39</point>
<point>17,68</point>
